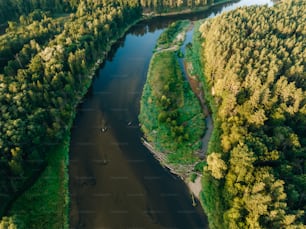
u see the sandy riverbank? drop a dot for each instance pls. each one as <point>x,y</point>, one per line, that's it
<point>182,171</point>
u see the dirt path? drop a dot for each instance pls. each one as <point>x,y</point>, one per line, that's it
<point>172,48</point>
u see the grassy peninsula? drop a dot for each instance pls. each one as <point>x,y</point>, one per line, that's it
<point>170,114</point>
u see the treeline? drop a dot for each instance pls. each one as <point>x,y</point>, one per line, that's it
<point>255,67</point>
<point>162,6</point>
<point>23,39</point>
<point>13,9</point>
<point>44,72</point>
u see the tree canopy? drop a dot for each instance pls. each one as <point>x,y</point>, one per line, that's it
<point>45,69</point>
<point>254,60</point>
<point>170,5</point>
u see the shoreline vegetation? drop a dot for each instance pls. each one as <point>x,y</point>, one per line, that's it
<point>255,173</point>
<point>36,208</point>
<point>55,171</point>
<point>59,164</point>
<point>160,102</point>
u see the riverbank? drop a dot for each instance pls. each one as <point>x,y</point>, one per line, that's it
<point>223,195</point>
<point>92,71</point>
<point>182,171</point>
<point>64,149</point>
<point>89,85</point>
<point>47,200</point>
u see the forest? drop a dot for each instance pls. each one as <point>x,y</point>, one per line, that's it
<point>49,51</point>
<point>163,6</point>
<point>45,68</point>
<point>13,9</point>
<point>253,60</point>
<point>253,70</point>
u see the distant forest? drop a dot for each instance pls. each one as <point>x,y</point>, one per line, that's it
<point>255,63</point>
<point>166,5</point>
<point>13,9</point>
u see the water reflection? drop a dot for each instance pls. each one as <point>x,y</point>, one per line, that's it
<point>114,181</point>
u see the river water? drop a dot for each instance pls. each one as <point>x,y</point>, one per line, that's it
<point>115,182</point>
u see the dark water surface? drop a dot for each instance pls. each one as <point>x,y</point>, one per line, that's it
<point>115,182</point>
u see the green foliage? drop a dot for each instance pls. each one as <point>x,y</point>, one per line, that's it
<point>170,114</point>
<point>212,201</point>
<point>10,223</point>
<point>254,78</point>
<point>199,166</point>
<point>170,36</point>
<point>48,197</point>
<point>162,6</point>
<point>46,67</point>
<point>193,177</point>
<point>12,9</point>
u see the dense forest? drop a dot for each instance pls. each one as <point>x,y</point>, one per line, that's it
<point>48,52</point>
<point>162,6</point>
<point>13,9</point>
<point>45,68</point>
<point>254,66</point>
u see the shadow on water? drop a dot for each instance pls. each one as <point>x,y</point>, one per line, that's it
<point>114,180</point>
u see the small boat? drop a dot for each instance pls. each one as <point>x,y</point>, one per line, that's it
<point>129,123</point>
<point>104,162</point>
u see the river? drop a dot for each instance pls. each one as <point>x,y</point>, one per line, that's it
<point>115,182</point>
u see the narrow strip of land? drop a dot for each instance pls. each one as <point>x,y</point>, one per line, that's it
<point>175,138</point>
